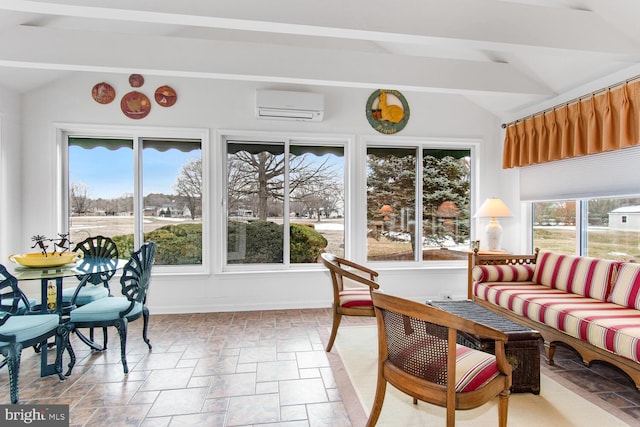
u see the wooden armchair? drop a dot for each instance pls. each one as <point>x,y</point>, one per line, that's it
<point>419,356</point>
<point>350,300</point>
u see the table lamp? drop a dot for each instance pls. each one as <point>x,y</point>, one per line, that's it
<point>493,208</point>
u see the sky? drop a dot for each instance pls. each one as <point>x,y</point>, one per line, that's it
<point>109,174</point>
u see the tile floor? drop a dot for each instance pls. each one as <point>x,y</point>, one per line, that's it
<point>240,369</point>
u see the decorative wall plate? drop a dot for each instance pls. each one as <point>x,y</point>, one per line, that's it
<point>383,112</point>
<point>135,105</point>
<point>136,80</point>
<point>103,93</point>
<point>166,96</point>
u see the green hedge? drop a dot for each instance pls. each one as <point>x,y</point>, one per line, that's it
<point>261,242</point>
<point>181,244</point>
<point>177,244</point>
<point>306,243</point>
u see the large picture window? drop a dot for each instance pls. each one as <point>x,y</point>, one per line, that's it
<point>394,195</point>
<point>135,190</point>
<point>597,227</point>
<point>285,201</point>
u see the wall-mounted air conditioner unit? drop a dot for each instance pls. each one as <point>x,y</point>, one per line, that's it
<point>288,105</point>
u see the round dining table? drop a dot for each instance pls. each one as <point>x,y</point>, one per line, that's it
<point>80,269</point>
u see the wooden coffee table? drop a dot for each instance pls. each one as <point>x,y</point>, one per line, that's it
<point>522,348</point>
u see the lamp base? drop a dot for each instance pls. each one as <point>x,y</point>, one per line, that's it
<point>494,235</point>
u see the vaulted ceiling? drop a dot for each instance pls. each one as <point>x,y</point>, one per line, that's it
<point>504,55</point>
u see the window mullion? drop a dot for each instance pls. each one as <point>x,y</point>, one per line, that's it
<point>138,203</point>
<point>286,250</point>
<point>418,222</point>
<point>582,219</point>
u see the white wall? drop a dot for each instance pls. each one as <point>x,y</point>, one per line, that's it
<point>10,182</point>
<point>230,105</point>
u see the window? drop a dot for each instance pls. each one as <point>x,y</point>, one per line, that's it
<point>597,227</point>
<point>285,201</point>
<point>554,226</point>
<point>137,189</point>
<point>394,195</point>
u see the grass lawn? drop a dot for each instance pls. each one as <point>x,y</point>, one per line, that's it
<point>602,242</point>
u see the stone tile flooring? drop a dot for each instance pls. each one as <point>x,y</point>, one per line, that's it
<point>242,369</point>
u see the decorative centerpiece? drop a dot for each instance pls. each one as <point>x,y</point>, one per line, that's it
<point>60,256</point>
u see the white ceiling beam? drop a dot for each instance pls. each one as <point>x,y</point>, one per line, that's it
<point>479,24</point>
<point>56,49</point>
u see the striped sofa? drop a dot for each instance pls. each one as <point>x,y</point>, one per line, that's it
<point>591,304</point>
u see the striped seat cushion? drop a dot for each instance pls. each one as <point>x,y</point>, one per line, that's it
<point>355,297</point>
<point>474,368</point>
<point>590,277</point>
<point>626,289</point>
<point>605,325</point>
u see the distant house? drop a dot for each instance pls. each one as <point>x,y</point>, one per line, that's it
<point>172,211</point>
<point>625,218</point>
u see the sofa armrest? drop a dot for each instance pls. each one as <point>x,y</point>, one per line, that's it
<point>503,273</point>
<point>501,259</point>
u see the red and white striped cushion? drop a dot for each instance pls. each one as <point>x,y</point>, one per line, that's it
<point>355,297</point>
<point>626,289</point>
<point>606,325</point>
<point>474,368</point>
<point>502,273</point>
<point>590,277</point>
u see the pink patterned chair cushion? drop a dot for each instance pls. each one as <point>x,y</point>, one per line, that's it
<point>589,277</point>
<point>355,297</point>
<point>502,273</point>
<point>626,289</point>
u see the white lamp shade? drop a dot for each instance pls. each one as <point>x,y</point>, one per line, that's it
<point>493,208</point>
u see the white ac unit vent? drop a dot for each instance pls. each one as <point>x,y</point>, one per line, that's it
<point>288,105</point>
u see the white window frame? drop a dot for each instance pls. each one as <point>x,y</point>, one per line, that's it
<point>286,138</point>
<point>136,134</point>
<point>472,144</point>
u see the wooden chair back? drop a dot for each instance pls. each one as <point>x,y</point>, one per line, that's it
<point>345,272</point>
<point>417,353</point>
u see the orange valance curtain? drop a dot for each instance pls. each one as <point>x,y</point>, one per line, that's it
<point>603,122</point>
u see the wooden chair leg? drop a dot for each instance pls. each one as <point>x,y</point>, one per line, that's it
<point>337,317</point>
<point>381,389</point>
<point>451,414</point>
<point>503,407</point>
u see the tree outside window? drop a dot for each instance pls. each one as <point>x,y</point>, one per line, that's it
<point>278,193</point>
<point>394,232</point>
<point>102,193</point>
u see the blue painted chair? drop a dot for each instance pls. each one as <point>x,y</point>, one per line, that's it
<point>24,330</point>
<point>119,311</point>
<point>92,287</point>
